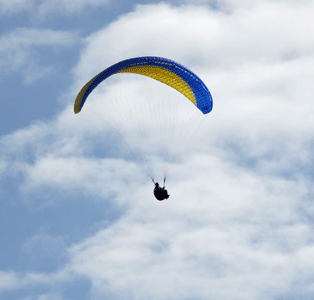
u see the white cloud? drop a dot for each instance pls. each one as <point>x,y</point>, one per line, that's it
<point>236,231</point>
<point>265,34</point>
<point>43,8</point>
<point>8,280</point>
<point>14,280</point>
<point>240,207</point>
<point>19,50</point>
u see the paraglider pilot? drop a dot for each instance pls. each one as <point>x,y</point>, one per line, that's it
<point>160,192</point>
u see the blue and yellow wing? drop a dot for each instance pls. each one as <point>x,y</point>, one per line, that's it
<point>162,69</point>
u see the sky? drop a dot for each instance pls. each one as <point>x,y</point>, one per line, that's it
<point>78,219</point>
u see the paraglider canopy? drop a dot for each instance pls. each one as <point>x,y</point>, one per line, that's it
<point>162,69</point>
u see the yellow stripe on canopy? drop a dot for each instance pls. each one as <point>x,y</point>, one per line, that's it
<point>163,76</point>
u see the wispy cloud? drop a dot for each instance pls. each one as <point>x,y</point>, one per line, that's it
<point>23,50</point>
<point>42,8</point>
<point>15,6</point>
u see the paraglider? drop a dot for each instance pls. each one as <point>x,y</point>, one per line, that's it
<point>163,70</point>
<point>160,192</point>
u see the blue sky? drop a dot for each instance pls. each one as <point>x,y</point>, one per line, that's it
<point>78,219</point>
